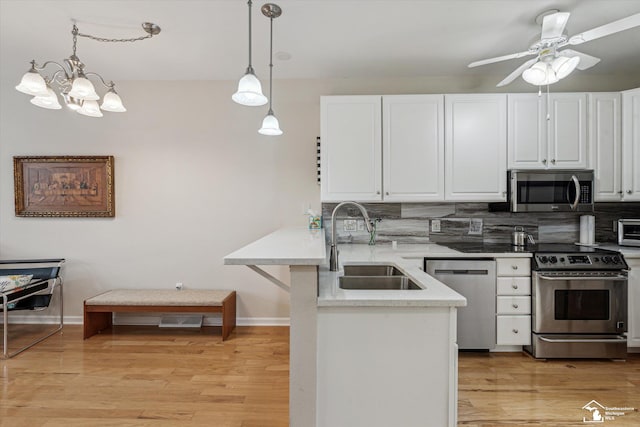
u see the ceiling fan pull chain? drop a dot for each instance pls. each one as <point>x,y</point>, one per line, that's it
<point>548,104</point>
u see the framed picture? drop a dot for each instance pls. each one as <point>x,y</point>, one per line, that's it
<point>64,186</point>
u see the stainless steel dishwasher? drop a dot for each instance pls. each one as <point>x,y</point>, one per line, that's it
<point>476,281</point>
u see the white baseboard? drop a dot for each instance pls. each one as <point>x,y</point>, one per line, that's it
<point>154,320</point>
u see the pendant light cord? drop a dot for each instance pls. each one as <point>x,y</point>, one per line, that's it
<point>249,68</point>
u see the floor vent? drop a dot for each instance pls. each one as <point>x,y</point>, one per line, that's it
<point>180,322</point>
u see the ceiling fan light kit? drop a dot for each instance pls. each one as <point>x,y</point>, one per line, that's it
<point>72,82</point>
<point>551,64</point>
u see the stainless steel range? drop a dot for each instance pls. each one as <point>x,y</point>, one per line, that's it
<point>579,303</point>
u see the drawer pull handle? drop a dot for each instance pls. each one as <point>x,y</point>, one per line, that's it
<point>515,267</point>
<point>514,286</point>
<point>515,331</point>
<point>515,305</point>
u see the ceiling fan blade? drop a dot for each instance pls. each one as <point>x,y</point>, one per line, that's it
<point>500,58</point>
<point>553,25</point>
<point>586,61</point>
<point>606,29</point>
<point>511,77</point>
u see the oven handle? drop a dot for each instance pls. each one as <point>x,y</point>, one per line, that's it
<point>576,183</point>
<point>617,339</point>
<point>605,278</point>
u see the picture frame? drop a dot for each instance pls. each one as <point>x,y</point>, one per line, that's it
<point>64,186</point>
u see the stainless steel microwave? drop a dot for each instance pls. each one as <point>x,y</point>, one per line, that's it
<point>551,190</point>
<point>629,232</point>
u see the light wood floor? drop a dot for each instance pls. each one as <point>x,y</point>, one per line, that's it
<point>143,376</point>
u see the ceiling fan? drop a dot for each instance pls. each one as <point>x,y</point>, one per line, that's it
<point>550,63</point>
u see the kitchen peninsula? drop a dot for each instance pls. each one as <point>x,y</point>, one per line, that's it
<point>363,357</point>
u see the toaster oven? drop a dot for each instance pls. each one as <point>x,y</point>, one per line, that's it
<point>629,232</point>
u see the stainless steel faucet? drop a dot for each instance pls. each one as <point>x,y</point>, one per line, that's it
<point>333,258</point>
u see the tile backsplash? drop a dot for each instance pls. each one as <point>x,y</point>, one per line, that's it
<point>459,222</point>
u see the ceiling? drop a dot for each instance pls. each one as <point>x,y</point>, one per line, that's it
<point>207,39</point>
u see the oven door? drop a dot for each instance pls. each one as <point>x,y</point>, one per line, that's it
<point>579,303</point>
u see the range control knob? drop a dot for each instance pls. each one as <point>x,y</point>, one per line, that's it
<point>561,259</point>
<point>543,259</point>
<point>606,259</point>
<point>553,259</point>
<point>615,260</point>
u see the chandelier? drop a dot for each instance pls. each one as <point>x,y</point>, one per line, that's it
<point>72,82</point>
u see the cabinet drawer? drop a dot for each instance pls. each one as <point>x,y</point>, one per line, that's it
<point>513,305</point>
<point>513,286</point>
<point>513,266</point>
<point>513,330</point>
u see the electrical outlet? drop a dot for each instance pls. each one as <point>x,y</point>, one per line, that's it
<point>350,225</point>
<point>435,225</point>
<point>475,226</point>
<point>179,286</point>
<point>360,225</point>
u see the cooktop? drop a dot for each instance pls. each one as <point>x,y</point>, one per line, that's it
<point>479,247</point>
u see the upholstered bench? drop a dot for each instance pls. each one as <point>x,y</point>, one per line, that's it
<point>98,310</point>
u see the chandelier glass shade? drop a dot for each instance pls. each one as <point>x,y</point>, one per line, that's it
<point>550,70</point>
<point>49,101</point>
<point>72,83</point>
<point>249,91</point>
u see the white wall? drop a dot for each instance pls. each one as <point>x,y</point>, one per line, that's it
<point>194,181</point>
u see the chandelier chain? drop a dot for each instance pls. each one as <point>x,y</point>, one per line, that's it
<point>102,39</point>
<point>76,33</point>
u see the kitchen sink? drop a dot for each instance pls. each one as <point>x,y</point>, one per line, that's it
<point>383,283</point>
<point>372,270</point>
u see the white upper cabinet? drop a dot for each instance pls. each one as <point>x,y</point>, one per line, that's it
<point>351,148</point>
<point>548,131</point>
<point>631,145</point>
<point>568,130</point>
<point>413,148</point>
<point>605,145</point>
<point>526,131</point>
<point>476,147</point>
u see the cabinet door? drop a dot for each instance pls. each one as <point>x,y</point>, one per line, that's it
<point>633,328</point>
<point>605,145</point>
<point>526,131</point>
<point>631,144</point>
<point>351,148</point>
<point>476,147</point>
<point>413,148</point>
<point>567,130</point>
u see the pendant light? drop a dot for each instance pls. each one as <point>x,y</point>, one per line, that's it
<point>249,88</point>
<point>270,125</point>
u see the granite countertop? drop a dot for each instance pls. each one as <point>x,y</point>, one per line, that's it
<point>300,246</point>
<point>408,258</point>
<point>286,246</point>
<point>628,251</point>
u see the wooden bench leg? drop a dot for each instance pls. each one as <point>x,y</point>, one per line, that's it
<point>228,315</point>
<point>95,321</point>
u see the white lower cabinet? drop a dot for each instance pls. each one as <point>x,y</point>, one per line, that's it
<point>513,301</point>
<point>386,366</point>
<point>633,320</point>
<point>513,330</point>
